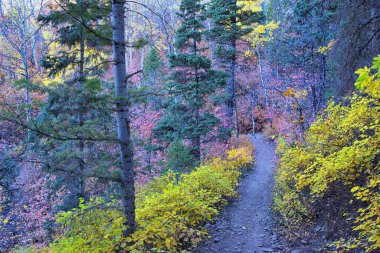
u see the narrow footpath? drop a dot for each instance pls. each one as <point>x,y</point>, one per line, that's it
<point>247,224</point>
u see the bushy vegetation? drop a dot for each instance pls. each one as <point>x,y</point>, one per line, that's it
<point>170,211</point>
<point>334,174</point>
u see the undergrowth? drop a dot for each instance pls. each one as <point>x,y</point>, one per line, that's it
<point>334,174</point>
<point>170,211</point>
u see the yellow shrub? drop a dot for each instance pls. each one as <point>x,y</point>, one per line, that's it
<point>96,227</point>
<point>341,152</point>
<point>172,219</point>
<point>170,211</point>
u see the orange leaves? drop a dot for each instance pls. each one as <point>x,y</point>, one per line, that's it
<point>300,94</point>
<point>288,92</point>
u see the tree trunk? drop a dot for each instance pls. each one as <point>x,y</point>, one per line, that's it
<point>196,148</point>
<point>196,141</point>
<point>142,59</point>
<point>276,43</point>
<point>231,109</point>
<point>27,100</point>
<point>122,116</point>
<point>24,56</point>
<point>252,93</point>
<point>230,103</point>
<point>81,117</point>
<point>262,79</point>
<point>236,116</point>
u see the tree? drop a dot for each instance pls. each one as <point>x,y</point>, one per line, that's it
<point>152,65</point>
<point>230,23</point>
<point>326,41</point>
<point>122,115</point>
<point>20,40</point>
<point>260,35</point>
<point>188,116</point>
<point>357,28</point>
<point>153,76</point>
<point>75,99</point>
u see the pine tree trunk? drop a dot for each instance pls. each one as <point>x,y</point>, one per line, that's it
<point>196,148</point>
<point>122,116</point>
<point>81,116</point>
<point>196,142</point>
<point>230,103</point>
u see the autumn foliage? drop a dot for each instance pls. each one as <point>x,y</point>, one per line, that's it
<point>171,210</point>
<point>333,177</point>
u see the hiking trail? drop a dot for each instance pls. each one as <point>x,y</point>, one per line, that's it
<point>247,225</point>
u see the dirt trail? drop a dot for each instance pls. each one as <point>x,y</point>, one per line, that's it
<point>247,225</point>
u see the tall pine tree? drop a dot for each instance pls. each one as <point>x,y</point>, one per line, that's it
<point>229,23</point>
<point>71,105</point>
<point>188,116</point>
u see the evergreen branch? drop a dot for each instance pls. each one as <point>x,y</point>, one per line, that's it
<point>133,74</point>
<point>147,94</point>
<point>81,22</point>
<point>91,175</point>
<point>56,136</point>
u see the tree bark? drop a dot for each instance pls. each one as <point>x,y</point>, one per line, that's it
<point>196,141</point>
<point>262,79</point>
<point>252,96</point>
<point>122,116</point>
<point>231,109</point>
<point>24,56</point>
<point>230,103</point>
<point>81,145</point>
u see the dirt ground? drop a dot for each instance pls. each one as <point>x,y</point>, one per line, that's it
<point>248,225</point>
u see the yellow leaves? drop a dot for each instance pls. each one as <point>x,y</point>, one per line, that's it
<point>368,221</point>
<point>324,50</point>
<point>170,211</point>
<point>247,53</point>
<point>288,92</point>
<point>169,244</point>
<point>92,227</point>
<point>250,5</point>
<point>368,82</point>
<point>374,183</point>
<point>355,189</point>
<point>302,182</point>
<point>301,94</point>
<point>262,34</point>
<point>341,151</point>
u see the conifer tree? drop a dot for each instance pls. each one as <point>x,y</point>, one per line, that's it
<point>81,27</point>
<point>229,23</point>
<point>187,114</point>
<point>152,65</point>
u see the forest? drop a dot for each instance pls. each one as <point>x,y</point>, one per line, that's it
<point>136,125</point>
